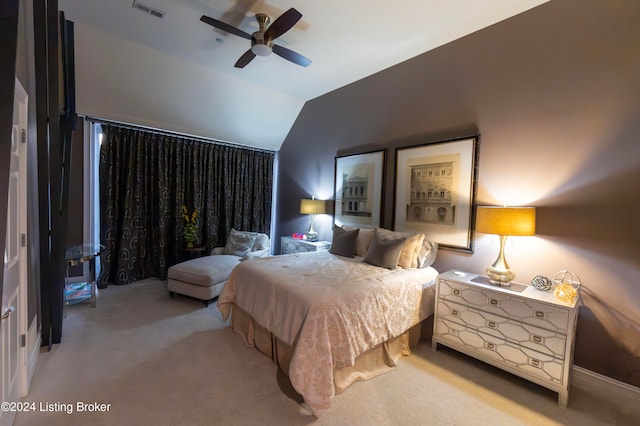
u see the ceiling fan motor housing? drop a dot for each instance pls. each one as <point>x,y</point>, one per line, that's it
<point>259,45</point>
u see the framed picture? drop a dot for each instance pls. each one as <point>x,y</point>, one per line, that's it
<point>358,189</point>
<point>435,191</point>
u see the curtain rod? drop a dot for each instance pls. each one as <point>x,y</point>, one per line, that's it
<point>173,133</point>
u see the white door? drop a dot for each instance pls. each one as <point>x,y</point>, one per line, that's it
<point>13,310</point>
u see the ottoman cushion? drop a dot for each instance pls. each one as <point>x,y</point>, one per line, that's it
<point>204,271</point>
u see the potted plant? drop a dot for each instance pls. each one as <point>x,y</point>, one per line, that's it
<point>190,229</point>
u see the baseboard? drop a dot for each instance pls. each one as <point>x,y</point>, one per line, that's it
<point>606,387</point>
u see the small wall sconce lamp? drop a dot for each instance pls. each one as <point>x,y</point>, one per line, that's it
<point>504,221</point>
<point>312,207</point>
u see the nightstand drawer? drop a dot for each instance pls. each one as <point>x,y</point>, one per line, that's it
<point>482,345</point>
<point>554,318</point>
<point>536,338</point>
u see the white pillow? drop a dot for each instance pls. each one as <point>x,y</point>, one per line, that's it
<point>239,243</point>
<point>262,242</point>
<point>428,253</point>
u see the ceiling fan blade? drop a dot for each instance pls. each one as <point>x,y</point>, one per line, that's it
<point>245,59</point>
<point>282,24</point>
<point>225,27</point>
<point>290,55</point>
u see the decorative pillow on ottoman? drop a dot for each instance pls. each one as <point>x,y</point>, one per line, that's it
<point>239,243</point>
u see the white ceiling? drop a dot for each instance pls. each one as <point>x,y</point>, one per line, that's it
<point>346,40</point>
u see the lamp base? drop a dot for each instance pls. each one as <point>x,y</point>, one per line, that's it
<point>499,273</point>
<point>311,236</point>
<point>500,276</point>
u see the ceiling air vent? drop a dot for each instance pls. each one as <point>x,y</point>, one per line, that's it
<point>148,9</point>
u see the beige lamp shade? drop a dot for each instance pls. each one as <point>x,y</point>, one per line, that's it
<point>313,206</point>
<point>512,221</point>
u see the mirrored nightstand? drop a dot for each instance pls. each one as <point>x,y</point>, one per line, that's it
<point>293,245</point>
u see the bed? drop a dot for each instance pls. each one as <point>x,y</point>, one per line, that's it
<point>327,320</point>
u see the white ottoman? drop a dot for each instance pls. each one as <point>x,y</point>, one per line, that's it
<point>202,277</point>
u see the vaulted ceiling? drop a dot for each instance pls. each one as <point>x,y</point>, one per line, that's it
<point>177,73</point>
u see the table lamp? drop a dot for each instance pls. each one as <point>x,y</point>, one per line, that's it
<point>504,221</point>
<point>312,207</point>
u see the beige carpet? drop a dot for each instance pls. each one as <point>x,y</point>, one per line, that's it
<point>163,361</point>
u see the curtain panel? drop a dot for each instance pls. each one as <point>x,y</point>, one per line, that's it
<point>145,178</point>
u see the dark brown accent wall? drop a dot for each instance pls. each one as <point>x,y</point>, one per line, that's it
<point>75,229</point>
<point>554,94</point>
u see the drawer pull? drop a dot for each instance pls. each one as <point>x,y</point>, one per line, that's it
<point>539,314</point>
<point>493,302</point>
<point>536,363</point>
<point>536,339</point>
<point>491,324</point>
<point>490,346</point>
<point>456,292</point>
<point>454,312</point>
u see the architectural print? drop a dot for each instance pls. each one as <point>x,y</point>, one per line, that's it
<point>430,199</point>
<point>355,192</point>
<point>358,189</point>
<point>435,191</point>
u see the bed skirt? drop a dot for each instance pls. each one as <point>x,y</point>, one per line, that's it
<point>375,361</point>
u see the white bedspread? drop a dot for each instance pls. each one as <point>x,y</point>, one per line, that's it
<point>330,307</point>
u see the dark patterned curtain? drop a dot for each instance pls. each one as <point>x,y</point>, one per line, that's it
<point>145,177</point>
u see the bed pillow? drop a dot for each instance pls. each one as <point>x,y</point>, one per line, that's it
<point>383,252</point>
<point>262,242</point>
<point>387,234</point>
<point>427,253</point>
<point>344,242</point>
<point>364,239</point>
<point>409,253</point>
<point>239,243</point>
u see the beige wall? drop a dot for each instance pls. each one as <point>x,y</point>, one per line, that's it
<point>124,81</point>
<point>554,94</point>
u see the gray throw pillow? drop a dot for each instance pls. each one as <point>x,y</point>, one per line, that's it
<point>384,253</point>
<point>239,243</point>
<point>344,242</point>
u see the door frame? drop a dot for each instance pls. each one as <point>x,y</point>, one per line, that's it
<point>19,118</point>
<point>30,350</point>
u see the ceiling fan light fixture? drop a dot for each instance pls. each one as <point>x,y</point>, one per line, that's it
<point>262,40</point>
<point>261,49</point>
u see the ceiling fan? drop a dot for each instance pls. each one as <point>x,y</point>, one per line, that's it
<point>262,40</point>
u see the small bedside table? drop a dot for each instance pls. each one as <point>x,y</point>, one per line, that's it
<point>293,245</point>
<point>188,253</point>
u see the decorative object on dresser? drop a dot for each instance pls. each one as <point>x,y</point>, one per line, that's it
<point>505,222</point>
<point>312,207</point>
<point>290,245</point>
<point>541,283</point>
<point>358,189</point>
<point>567,285</point>
<point>530,333</point>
